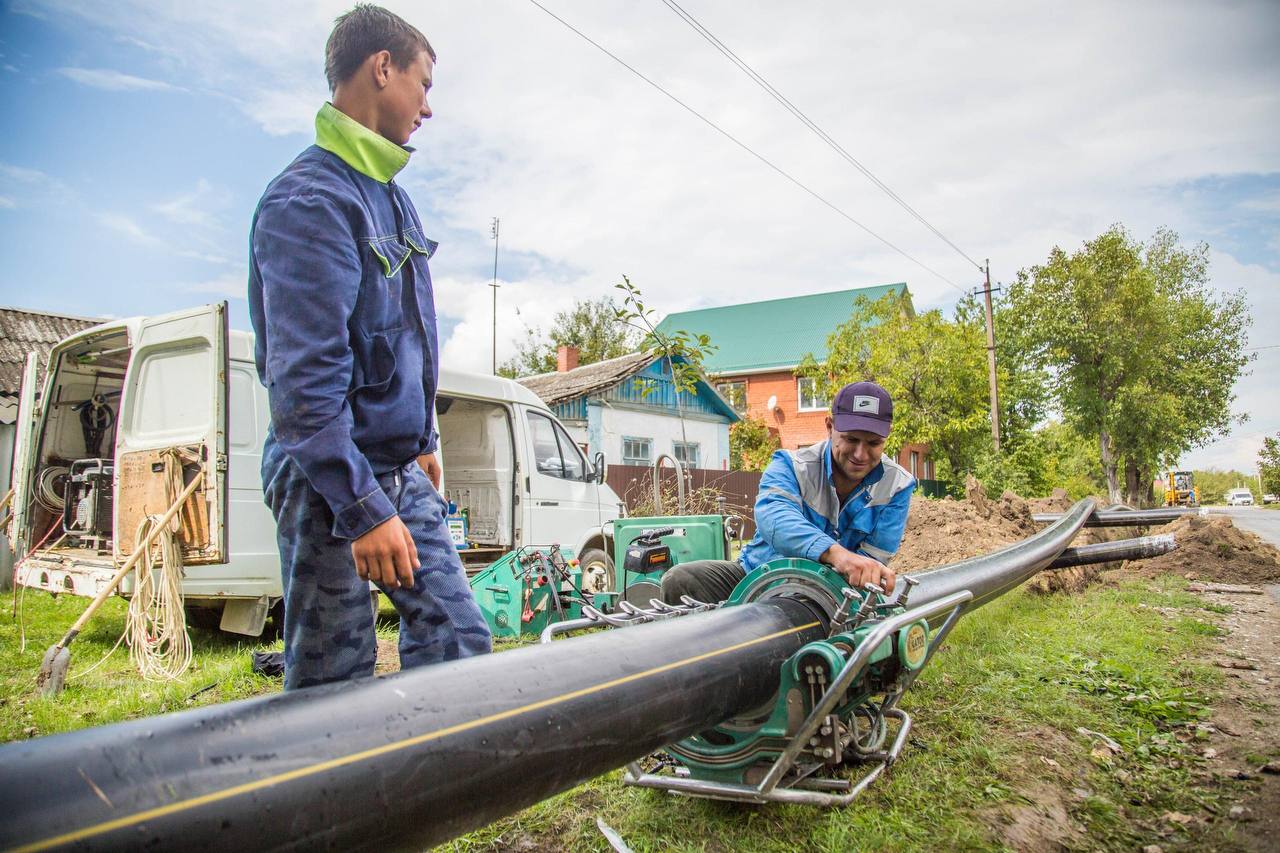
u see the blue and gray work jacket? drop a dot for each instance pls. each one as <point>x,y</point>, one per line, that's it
<point>798,513</point>
<point>341,302</point>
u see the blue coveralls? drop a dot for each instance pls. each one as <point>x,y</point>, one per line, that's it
<point>341,302</point>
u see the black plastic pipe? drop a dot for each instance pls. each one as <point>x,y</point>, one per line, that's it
<point>410,760</point>
<point>1123,517</point>
<point>400,762</point>
<point>1112,552</point>
<point>992,575</point>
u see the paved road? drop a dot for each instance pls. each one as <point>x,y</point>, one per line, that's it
<point>1255,519</point>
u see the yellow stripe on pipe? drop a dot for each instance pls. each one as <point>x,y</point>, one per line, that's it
<point>312,769</point>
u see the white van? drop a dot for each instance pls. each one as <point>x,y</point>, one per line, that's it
<point>1238,497</point>
<point>120,399</point>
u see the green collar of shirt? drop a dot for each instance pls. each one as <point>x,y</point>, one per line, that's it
<point>359,147</point>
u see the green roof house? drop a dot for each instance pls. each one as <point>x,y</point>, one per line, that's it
<point>760,346</point>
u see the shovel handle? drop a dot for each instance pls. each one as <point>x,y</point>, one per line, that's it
<point>140,549</point>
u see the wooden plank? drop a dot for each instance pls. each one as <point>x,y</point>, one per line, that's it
<point>142,492</point>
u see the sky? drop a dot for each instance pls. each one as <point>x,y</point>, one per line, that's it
<point>141,135</point>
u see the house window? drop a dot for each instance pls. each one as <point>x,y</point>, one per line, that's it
<point>637,451</point>
<point>915,464</point>
<point>554,453</point>
<point>736,394</point>
<point>807,393</point>
<point>686,453</point>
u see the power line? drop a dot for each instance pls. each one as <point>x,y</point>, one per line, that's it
<point>743,145</point>
<point>809,123</point>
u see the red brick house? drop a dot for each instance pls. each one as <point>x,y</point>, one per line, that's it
<point>760,346</point>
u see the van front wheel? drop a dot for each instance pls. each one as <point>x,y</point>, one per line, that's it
<point>597,572</point>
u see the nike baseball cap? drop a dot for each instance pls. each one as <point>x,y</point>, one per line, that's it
<point>863,406</point>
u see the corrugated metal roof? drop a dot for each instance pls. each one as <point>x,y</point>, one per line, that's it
<point>775,334</point>
<point>608,379</point>
<point>23,331</point>
<point>557,387</point>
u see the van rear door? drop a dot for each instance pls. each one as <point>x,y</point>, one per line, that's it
<point>23,457</point>
<point>174,412</point>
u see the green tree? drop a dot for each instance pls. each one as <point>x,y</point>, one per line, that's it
<point>1269,464</point>
<point>934,368</point>
<point>591,325</point>
<point>1213,484</point>
<point>1141,355</point>
<point>751,445</point>
<point>1052,456</point>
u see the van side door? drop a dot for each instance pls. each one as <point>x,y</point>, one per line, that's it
<point>24,449</point>
<point>172,425</point>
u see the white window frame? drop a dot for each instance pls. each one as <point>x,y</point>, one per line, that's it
<point>682,448</point>
<point>800,406</point>
<point>635,460</point>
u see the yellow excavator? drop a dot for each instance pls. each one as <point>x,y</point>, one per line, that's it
<point>1180,489</point>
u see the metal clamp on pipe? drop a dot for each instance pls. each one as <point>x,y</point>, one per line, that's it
<point>834,700</point>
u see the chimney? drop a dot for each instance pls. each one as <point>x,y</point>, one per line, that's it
<point>566,358</point>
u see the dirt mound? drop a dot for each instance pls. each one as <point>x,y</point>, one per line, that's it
<point>941,532</point>
<point>945,531</point>
<point>1212,548</point>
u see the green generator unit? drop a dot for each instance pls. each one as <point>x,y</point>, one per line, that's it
<point>529,589</point>
<point>644,548</point>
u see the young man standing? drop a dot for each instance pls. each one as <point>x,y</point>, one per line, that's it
<point>341,302</point>
<point>838,502</point>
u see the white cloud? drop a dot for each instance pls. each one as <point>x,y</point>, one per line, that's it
<point>230,286</point>
<point>7,203</point>
<point>1255,395</point>
<point>127,227</point>
<point>200,207</point>
<point>1011,127</point>
<point>115,81</point>
<point>181,247</point>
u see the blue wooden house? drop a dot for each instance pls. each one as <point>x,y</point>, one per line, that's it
<point>628,407</point>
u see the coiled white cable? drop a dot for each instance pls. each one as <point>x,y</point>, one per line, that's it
<point>156,624</point>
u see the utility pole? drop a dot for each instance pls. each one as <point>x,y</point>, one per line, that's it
<point>991,363</point>
<point>494,231</point>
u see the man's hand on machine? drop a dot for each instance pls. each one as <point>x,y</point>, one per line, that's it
<point>858,569</point>
<point>386,554</point>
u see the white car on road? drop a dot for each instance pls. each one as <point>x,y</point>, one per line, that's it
<point>1239,497</point>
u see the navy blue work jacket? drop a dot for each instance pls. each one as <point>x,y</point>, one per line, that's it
<point>341,303</point>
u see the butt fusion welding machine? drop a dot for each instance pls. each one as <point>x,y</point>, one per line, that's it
<point>836,703</point>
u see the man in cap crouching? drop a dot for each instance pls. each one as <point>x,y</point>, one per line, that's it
<point>838,502</point>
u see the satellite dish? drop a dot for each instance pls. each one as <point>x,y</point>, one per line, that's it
<point>773,403</point>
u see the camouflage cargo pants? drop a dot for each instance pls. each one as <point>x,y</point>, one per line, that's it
<point>328,621</point>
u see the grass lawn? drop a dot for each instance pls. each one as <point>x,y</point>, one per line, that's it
<point>995,758</point>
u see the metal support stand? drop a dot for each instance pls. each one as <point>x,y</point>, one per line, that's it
<point>777,786</point>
